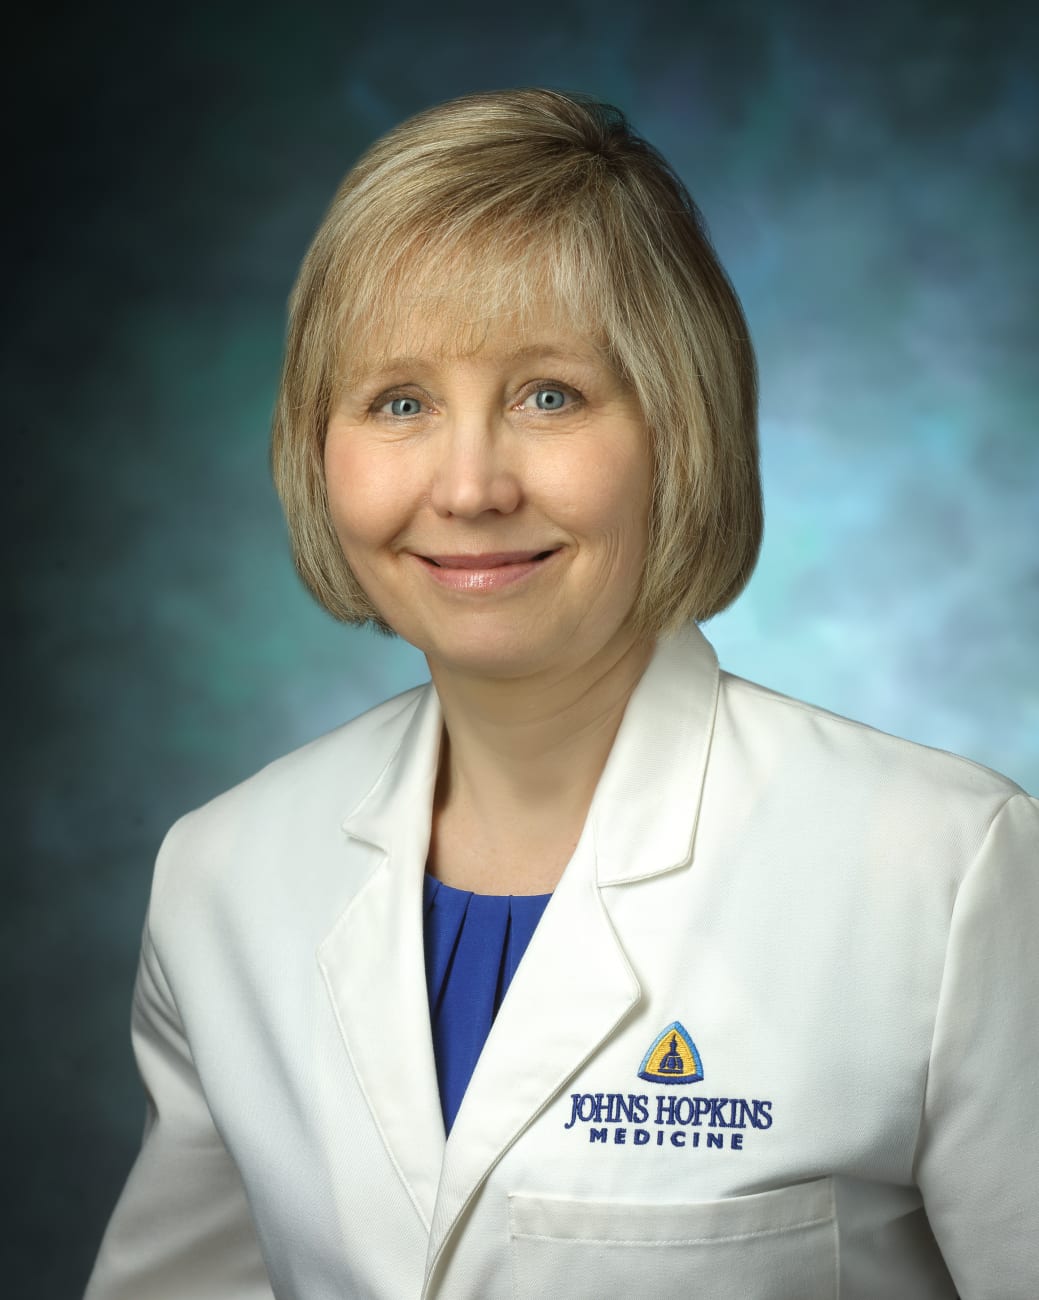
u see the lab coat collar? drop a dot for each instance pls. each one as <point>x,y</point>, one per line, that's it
<point>656,766</point>
<point>645,807</point>
<point>575,984</point>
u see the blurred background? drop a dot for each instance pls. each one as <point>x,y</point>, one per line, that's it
<point>869,177</point>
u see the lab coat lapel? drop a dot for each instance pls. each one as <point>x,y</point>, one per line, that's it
<point>570,992</point>
<point>647,803</point>
<point>575,986</point>
<point>373,960</point>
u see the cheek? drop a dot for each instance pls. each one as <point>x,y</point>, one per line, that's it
<point>616,499</point>
<point>365,497</point>
<point>626,526</point>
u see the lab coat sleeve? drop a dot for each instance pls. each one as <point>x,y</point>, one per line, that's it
<point>182,1229</point>
<point>978,1152</point>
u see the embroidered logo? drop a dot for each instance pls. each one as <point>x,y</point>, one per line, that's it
<point>672,1058</point>
<point>685,1121</point>
<point>663,1118</point>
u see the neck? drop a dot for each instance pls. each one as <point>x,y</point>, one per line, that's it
<point>519,763</point>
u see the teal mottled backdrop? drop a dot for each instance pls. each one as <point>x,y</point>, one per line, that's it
<point>869,177</point>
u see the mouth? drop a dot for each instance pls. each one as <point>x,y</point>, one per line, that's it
<point>495,560</point>
<point>480,576</point>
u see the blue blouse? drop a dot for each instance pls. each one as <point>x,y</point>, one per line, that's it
<point>474,943</point>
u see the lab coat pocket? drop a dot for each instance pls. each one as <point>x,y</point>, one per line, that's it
<point>775,1245</point>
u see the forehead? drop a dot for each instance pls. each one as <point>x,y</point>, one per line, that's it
<point>503,340</point>
<point>474,303</point>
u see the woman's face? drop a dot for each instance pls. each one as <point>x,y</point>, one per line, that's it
<point>494,505</point>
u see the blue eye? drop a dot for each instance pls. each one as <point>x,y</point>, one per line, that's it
<point>404,405</point>
<point>549,399</point>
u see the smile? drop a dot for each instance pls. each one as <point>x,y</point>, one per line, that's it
<point>489,572</point>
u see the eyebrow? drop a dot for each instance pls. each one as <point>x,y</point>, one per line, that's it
<point>547,351</point>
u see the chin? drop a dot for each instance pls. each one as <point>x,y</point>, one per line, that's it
<point>499,655</point>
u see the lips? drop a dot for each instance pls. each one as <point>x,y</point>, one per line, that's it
<point>480,575</point>
<point>492,560</point>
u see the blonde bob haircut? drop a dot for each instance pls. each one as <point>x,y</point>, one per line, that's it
<point>499,203</point>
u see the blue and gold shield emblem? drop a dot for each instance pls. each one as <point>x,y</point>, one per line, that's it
<point>673,1058</point>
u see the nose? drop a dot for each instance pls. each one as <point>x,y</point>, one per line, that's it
<point>473,472</point>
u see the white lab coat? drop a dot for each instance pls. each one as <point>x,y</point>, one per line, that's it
<point>842,924</point>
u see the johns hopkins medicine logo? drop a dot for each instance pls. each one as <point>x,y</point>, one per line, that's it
<point>673,1058</point>
<point>669,1119</point>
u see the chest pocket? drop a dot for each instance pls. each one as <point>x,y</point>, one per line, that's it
<point>777,1245</point>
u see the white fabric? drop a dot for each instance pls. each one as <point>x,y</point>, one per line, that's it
<point>844,924</point>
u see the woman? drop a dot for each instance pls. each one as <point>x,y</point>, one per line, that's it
<point>712,992</point>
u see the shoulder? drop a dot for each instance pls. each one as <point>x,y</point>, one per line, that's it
<point>855,747</point>
<point>831,770</point>
<point>314,786</point>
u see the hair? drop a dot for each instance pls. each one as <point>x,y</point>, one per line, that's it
<point>486,205</point>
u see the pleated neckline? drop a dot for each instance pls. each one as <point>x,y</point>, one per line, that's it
<point>474,944</point>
